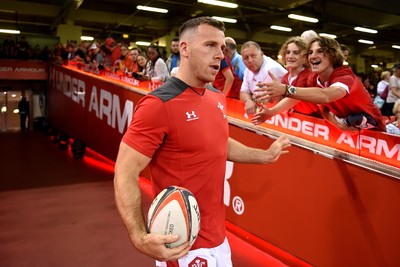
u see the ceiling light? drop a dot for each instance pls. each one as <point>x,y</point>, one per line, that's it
<point>303,18</point>
<point>219,3</point>
<point>152,9</point>
<point>396,46</point>
<point>374,66</point>
<point>328,35</point>
<point>361,29</point>
<point>125,36</point>
<point>143,43</point>
<point>225,19</point>
<point>10,31</point>
<point>280,28</point>
<point>365,41</point>
<point>87,38</point>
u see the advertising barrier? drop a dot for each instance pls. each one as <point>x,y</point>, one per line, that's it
<point>13,69</point>
<point>332,201</point>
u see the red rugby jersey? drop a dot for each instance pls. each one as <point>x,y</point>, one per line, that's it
<point>356,101</point>
<point>185,132</point>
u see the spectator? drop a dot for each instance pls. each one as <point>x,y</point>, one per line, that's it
<point>36,52</point>
<point>134,54</point>
<point>234,57</point>
<point>294,56</point>
<point>142,63</point>
<point>23,107</point>
<point>174,59</point>
<point>309,35</point>
<point>141,74</point>
<point>344,101</point>
<point>383,84</point>
<point>10,50</point>
<point>23,48</point>
<point>345,52</point>
<point>394,127</point>
<point>96,58</point>
<point>58,51</point>
<point>368,84</point>
<point>81,51</point>
<point>394,91</point>
<point>156,68</point>
<point>113,49</point>
<point>257,67</point>
<point>45,53</point>
<point>227,81</point>
<point>69,52</point>
<point>126,62</point>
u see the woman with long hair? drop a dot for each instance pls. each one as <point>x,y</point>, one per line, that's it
<point>156,68</point>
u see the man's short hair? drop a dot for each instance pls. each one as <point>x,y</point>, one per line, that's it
<point>251,43</point>
<point>196,22</point>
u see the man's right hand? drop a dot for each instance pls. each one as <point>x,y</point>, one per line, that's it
<point>153,245</point>
<point>250,106</point>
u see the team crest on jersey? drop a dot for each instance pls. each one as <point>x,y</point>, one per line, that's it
<point>222,108</point>
<point>191,116</point>
<point>198,262</point>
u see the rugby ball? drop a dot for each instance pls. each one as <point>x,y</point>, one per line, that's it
<point>175,211</point>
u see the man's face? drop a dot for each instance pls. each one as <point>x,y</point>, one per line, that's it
<point>345,54</point>
<point>124,50</point>
<point>318,59</point>
<point>228,51</point>
<point>134,54</point>
<point>205,52</point>
<point>294,57</point>
<point>252,58</point>
<point>175,47</point>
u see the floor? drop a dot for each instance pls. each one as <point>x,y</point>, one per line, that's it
<point>60,211</point>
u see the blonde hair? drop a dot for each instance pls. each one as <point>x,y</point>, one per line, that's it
<point>384,73</point>
<point>300,43</point>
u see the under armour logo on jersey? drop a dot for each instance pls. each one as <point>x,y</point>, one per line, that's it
<point>191,116</point>
<point>221,107</point>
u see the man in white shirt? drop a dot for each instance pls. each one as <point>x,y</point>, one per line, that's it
<point>257,67</point>
<point>394,91</point>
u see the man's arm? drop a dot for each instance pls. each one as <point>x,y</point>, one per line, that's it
<point>314,95</point>
<point>249,104</point>
<point>128,167</point>
<point>240,153</point>
<point>228,80</point>
<point>267,113</point>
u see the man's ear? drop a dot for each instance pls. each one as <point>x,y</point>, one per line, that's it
<point>183,49</point>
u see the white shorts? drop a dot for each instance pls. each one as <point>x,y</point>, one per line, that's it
<point>212,257</point>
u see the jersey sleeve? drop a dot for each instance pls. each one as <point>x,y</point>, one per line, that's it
<point>223,64</point>
<point>148,127</point>
<point>344,81</point>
